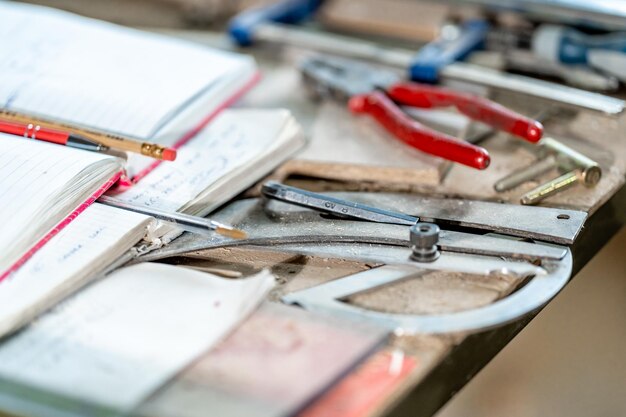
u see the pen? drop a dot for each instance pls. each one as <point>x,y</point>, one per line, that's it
<point>189,223</point>
<point>36,132</point>
<point>111,141</point>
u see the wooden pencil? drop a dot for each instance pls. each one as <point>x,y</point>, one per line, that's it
<point>109,140</point>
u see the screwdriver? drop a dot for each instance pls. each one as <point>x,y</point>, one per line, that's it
<point>439,61</point>
<point>521,60</point>
<point>606,52</point>
<point>569,46</point>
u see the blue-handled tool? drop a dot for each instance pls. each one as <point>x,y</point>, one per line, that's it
<point>276,22</point>
<point>432,58</point>
<point>244,27</point>
<point>606,53</point>
<point>438,62</point>
<point>569,46</point>
<point>266,24</point>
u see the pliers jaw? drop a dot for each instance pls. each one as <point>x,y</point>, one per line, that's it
<point>342,79</point>
<point>380,94</point>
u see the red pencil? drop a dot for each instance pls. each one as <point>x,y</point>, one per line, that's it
<point>59,132</point>
<point>36,132</point>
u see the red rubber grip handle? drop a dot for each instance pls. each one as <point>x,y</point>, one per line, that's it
<point>414,134</point>
<point>475,107</point>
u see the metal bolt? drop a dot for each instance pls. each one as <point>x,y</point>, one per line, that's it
<point>591,175</point>
<point>424,238</point>
<point>551,187</point>
<point>526,174</point>
<point>576,168</point>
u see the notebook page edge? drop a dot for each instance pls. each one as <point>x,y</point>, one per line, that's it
<point>62,224</point>
<point>80,279</point>
<point>76,191</point>
<point>143,165</point>
<point>117,31</point>
<point>290,139</point>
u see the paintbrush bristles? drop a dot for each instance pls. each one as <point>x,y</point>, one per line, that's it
<point>231,232</point>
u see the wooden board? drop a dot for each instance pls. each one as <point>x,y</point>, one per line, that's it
<point>411,20</point>
<point>343,147</point>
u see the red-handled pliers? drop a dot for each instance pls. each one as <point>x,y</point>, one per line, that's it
<point>379,93</point>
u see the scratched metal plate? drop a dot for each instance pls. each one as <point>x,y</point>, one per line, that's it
<point>544,223</point>
<point>279,223</point>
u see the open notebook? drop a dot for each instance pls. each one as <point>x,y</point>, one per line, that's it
<point>42,188</point>
<point>106,77</point>
<point>106,349</point>
<point>226,157</point>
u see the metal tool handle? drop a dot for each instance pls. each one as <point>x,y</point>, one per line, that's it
<point>327,204</point>
<point>444,51</point>
<point>475,107</point>
<point>414,134</point>
<point>243,26</point>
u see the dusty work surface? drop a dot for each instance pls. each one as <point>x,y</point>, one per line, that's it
<point>430,293</point>
<point>600,137</point>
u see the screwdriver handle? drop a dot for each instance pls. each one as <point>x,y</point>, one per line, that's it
<point>567,45</point>
<point>475,107</point>
<point>243,26</point>
<point>431,58</point>
<point>414,134</point>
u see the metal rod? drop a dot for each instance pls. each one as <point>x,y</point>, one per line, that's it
<point>569,159</point>
<point>565,96</point>
<point>525,174</point>
<point>551,187</point>
<point>189,223</point>
<point>402,58</point>
<point>335,44</point>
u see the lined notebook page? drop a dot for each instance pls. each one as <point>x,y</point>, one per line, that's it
<point>33,175</point>
<point>121,338</point>
<point>233,141</point>
<point>92,241</point>
<point>101,75</point>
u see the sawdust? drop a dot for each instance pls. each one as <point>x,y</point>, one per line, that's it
<point>293,272</point>
<point>436,292</point>
<point>431,293</point>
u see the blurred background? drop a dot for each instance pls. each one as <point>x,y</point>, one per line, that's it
<point>570,360</point>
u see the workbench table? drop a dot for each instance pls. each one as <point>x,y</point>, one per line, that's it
<point>445,363</point>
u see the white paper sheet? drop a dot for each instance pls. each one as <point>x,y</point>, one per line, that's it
<point>121,338</point>
<point>234,140</point>
<point>35,183</point>
<point>95,238</point>
<point>101,75</point>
